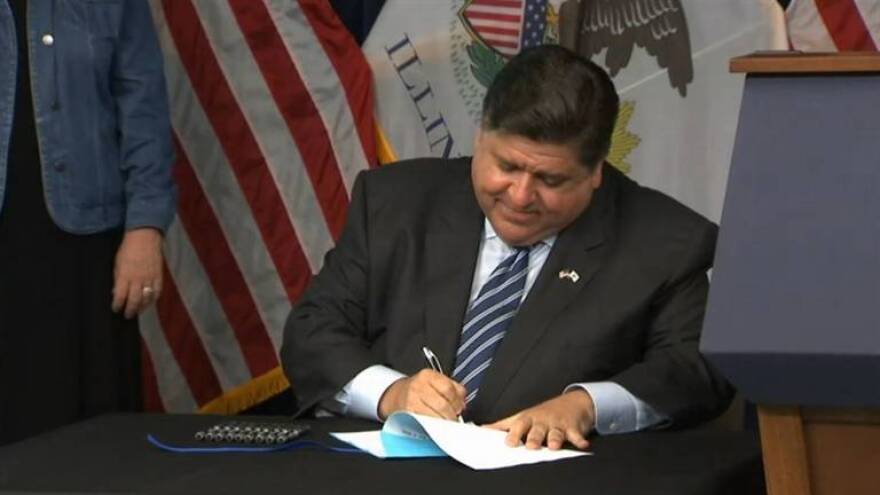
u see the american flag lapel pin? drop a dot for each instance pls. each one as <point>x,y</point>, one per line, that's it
<point>569,274</point>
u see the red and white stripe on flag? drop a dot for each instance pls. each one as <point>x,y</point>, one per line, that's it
<point>833,25</point>
<point>271,104</point>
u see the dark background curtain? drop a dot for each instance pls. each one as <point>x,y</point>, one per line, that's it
<point>358,15</point>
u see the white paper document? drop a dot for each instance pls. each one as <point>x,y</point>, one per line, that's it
<point>413,435</point>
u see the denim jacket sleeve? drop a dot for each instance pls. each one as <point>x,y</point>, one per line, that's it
<point>146,150</point>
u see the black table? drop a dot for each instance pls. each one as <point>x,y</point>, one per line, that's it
<point>111,455</point>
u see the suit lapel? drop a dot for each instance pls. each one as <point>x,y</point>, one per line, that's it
<point>453,241</point>
<point>582,248</point>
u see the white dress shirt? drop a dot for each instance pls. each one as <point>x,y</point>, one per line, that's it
<point>616,409</point>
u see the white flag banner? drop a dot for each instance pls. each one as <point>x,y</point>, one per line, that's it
<point>432,62</point>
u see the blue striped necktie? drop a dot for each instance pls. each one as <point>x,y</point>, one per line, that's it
<point>487,320</point>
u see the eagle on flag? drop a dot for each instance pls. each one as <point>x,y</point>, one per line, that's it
<point>658,26</point>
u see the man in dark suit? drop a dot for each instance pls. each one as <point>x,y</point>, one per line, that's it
<point>560,296</point>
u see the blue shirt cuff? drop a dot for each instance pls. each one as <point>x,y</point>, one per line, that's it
<point>617,410</point>
<point>360,397</point>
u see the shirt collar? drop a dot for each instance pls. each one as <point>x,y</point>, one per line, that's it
<point>489,234</point>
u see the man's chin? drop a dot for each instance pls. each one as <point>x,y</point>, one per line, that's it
<point>514,235</point>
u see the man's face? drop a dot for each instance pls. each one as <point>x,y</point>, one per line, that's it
<point>529,190</point>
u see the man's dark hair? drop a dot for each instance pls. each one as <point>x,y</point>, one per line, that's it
<point>551,95</point>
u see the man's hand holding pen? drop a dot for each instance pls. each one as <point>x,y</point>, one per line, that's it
<point>427,392</point>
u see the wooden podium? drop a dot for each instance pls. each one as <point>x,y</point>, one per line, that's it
<point>794,309</point>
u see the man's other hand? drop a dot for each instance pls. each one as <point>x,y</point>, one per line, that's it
<point>427,392</point>
<point>569,416</point>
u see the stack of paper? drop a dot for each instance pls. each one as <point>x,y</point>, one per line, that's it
<point>413,435</point>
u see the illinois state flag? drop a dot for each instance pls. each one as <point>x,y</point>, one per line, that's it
<point>432,62</point>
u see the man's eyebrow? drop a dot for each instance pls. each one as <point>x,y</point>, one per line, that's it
<point>505,161</point>
<point>551,175</point>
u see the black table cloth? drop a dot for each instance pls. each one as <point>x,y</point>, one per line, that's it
<point>110,454</point>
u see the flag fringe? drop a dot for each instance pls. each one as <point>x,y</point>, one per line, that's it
<point>248,395</point>
<point>384,150</point>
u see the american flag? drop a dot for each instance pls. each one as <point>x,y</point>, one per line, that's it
<point>508,26</point>
<point>271,104</point>
<point>833,25</point>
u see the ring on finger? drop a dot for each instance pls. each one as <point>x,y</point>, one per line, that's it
<point>148,291</point>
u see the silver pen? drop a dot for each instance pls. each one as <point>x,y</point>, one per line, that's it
<point>434,363</point>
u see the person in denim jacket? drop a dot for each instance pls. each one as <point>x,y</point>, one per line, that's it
<point>85,196</point>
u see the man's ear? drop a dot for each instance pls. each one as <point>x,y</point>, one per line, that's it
<point>596,178</point>
<point>478,136</point>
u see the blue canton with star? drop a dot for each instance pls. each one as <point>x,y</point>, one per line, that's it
<point>535,17</point>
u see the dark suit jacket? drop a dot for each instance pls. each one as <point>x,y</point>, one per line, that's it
<point>400,278</point>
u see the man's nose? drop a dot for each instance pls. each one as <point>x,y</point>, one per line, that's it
<point>522,191</point>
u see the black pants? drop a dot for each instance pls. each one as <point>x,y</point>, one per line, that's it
<point>64,355</point>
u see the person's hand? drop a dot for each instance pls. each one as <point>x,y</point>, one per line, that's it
<point>569,417</point>
<point>427,392</point>
<point>137,273</point>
